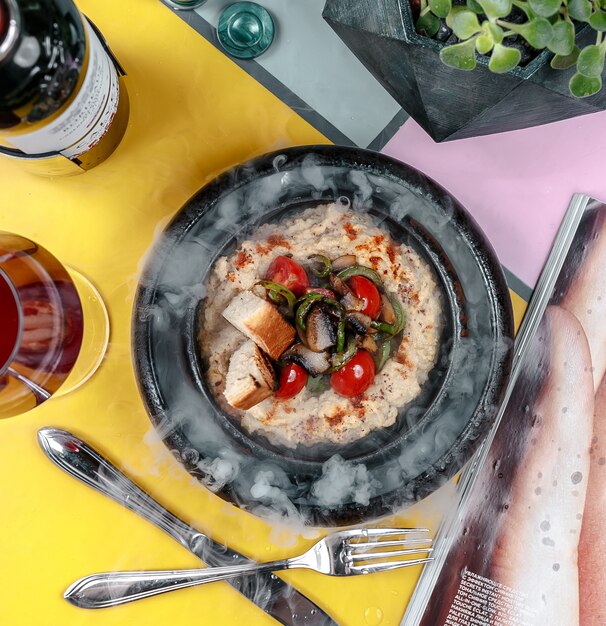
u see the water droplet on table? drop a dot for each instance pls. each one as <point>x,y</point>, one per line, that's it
<point>373,616</point>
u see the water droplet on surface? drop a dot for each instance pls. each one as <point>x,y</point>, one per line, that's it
<point>313,611</point>
<point>273,577</point>
<point>538,491</point>
<point>373,616</point>
<point>576,478</point>
<point>545,526</point>
<point>548,542</point>
<point>556,567</point>
<point>602,461</point>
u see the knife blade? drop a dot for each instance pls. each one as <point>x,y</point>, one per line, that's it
<point>273,595</point>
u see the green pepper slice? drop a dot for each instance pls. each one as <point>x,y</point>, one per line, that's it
<point>322,265</point>
<point>361,270</point>
<point>384,353</point>
<point>392,329</point>
<point>341,335</point>
<point>341,358</point>
<point>280,294</point>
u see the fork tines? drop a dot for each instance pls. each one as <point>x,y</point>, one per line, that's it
<point>366,550</point>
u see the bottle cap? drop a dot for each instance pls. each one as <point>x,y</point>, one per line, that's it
<point>246,30</point>
<point>184,5</point>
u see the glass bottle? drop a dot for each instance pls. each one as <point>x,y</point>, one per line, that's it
<point>63,103</point>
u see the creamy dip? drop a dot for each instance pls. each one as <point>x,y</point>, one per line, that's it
<point>312,418</point>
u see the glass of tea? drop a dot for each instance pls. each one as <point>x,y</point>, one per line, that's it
<point>54,327</point>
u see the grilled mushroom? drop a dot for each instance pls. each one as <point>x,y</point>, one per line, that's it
<point>368,343</point>
<point>360,322</point>
<point>347,260</point>
<point>349,301</point>
<point>315,363</point>
<point>321,333</point>
<point>387,312</point>
<point>338,285</point>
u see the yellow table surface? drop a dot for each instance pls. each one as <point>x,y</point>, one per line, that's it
<point>189,121</point>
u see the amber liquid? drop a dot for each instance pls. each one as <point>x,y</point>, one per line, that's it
<point>41,321</point>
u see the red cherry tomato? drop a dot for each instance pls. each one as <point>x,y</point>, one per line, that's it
<point>365,290</point>
<point>292,379</point>
<point>324,292</point>
<point>288,273</point>
<point>355,377</point>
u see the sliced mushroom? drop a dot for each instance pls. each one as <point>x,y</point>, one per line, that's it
<point>387,312</point>
<point>347,260</point>
<point>349,301</point>
<point>321,333</point>
<point>338,285</point>
<point>302,335</point>
<point>360,322</point>
<point>315,363</point>
<point>368,343</point>
<point>259,291</point>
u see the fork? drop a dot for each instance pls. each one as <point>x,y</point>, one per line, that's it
<point>345,553</point>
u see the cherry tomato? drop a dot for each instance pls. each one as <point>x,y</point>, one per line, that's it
<point>288,273</point>
<point>355,377</point>
<point>292,379</point>
<point>324,292</point>
<point>366,291</point>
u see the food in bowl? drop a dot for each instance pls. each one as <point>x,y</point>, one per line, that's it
<point>320,328</point>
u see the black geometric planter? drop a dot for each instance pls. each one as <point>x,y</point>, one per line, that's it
<point>450,103</point>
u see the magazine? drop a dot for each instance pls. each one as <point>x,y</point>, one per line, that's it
<point>525,546</point>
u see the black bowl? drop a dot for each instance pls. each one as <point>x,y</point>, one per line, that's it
<point>432,438</point>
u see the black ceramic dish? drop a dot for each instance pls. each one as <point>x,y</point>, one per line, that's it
<point>389,469</point>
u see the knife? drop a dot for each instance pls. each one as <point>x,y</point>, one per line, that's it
<point>276,597</point>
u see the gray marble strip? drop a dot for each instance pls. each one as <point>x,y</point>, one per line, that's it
<point>310,59</point>
<point>269,81</point>
<point>383,138</point>
<point>518,285</point>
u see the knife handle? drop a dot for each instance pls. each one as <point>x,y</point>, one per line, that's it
<point>81,461</point>
<point>271,594</point>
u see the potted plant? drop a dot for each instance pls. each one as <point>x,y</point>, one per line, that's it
<point>529,62</point>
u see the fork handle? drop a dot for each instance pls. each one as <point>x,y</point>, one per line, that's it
<point>98,591</point>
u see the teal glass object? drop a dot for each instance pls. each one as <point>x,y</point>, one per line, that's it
<point>245,30</point>
<point>185,5</point>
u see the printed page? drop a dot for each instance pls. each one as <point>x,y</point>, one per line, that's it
<point>526,549</point>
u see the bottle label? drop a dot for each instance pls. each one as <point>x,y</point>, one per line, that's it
<point>87,118</point>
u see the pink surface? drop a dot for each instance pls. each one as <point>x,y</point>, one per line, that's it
<point>517,185</point>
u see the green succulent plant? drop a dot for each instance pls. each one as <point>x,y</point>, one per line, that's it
<point>483,26</point>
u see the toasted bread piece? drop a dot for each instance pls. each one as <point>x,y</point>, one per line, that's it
<point>260,321</point>
<point>250,377</point>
